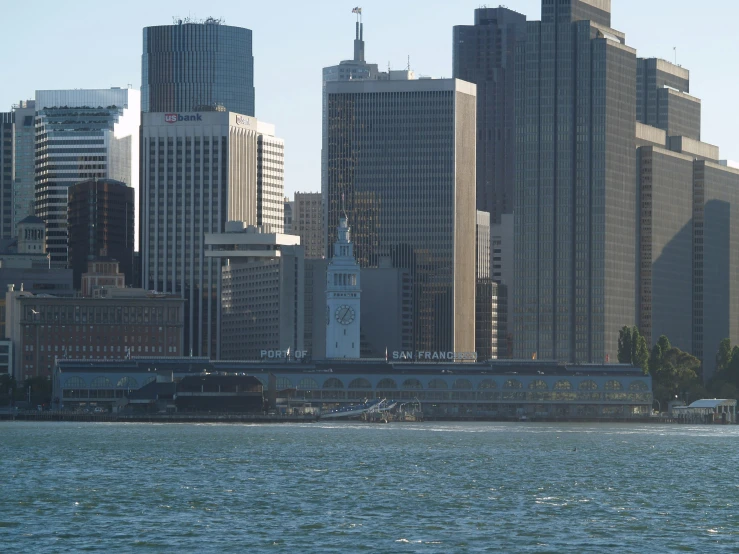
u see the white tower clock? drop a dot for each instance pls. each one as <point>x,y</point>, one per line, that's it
<point>343,298</point>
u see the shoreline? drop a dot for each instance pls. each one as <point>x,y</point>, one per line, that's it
<point>272,419</point>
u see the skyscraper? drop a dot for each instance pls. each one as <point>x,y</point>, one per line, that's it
<point>80,135</point>
<point>6,175</point>
<point>356,69</point>
<point>308,223</point>
<point>101,216</point>
<point>575,201</point>
<point>199,170</point>
<point>401,160</point>
<point>24,174</point>
<point>484,54</point>
<point>197,63</point>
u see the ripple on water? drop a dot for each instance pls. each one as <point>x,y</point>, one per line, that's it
<point>353,488</point>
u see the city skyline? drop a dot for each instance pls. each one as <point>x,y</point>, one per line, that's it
<point>325,35</point>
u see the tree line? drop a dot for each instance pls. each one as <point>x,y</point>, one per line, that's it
<point>677,375</point>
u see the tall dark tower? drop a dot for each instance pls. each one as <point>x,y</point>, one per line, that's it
<point>484,54</point>
<point>575,196</point>
<point>359,39</point>
<point>194,64</point>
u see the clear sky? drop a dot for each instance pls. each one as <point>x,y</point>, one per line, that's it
<point>48,44</point>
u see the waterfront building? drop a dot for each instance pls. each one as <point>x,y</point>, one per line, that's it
<point>193,64</point>
<point>343,297</point>
<point>119,324</point>
<point>6,354</point>
<point>484,54</point>
<point>200,170</point>
<point>24,171</point>
<point>7,124</point>
<point>495,390</point>
<point>410,201</point>
<point>576,198</point>
<point>308,223</point>
<point>81,135</point>
<point>315,307</point>
<point>101,225</point>
<point>262,291</point>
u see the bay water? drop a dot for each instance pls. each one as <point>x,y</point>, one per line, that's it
<point>344,487</point>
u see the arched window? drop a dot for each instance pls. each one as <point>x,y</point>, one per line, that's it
<point>128,383</point>
<point>101,383</point>
<point>149,380</point>
<point>462,384</point>
<point>588,385</point>
<point>512,384</point>
<point>638,386</point>
<point>333,383</point>
<point>613,385</point>
<point>563,385</point>
<point>412,384</point>
<point>387,384</point>
<point>488,384</point>
<point>538,385</point>
<point>282,383</point>
<point>308,384</point>
<point>75,383</point>
<point>360,384</point>
<point>438,384</point>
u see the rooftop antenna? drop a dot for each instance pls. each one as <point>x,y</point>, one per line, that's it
<point>409,62</point>
<point>674,48</point>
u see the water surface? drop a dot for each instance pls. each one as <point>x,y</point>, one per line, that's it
<point>341,487</point>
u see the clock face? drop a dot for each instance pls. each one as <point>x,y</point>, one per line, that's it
<point>345,314</point>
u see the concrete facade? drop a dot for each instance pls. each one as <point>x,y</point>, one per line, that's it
<point>200,170</point>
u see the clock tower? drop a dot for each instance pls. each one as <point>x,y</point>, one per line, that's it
<point>342,297</point>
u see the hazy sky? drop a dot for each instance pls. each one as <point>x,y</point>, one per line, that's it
<point>92,44</point>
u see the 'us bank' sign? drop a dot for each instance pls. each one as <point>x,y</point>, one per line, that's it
<point>175,117</point>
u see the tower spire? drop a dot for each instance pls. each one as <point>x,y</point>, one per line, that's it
<point>359,36</point>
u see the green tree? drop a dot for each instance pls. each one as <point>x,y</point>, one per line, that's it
<point>674,373</point>
<point>724,355</point>
<point>625,348</point>
<point>641,354</point>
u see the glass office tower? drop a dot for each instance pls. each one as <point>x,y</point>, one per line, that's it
<point>401,162</point>
<point>575,199</point>
<point>195,64</point>
<point>484,54</point>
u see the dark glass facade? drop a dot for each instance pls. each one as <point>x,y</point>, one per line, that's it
<point>484,54</point>
<point>400,160</point>
<point>101,220</point>
<point>197,64</point>
<point>575,201</point>
<point>662,98</point>
<point>666,246</point>
<point>716,264</point>
<point>6,175</point>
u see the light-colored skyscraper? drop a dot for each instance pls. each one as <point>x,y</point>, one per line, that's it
<point>270,179</point>
<point>401,159</point>
<point>200,170</point>
<point>81,135</point>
